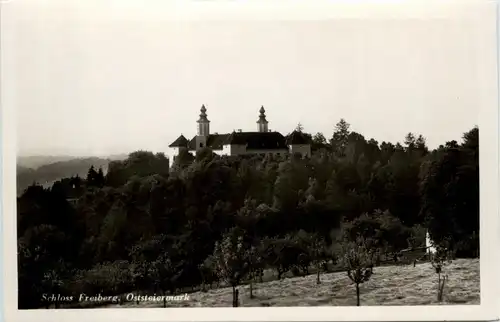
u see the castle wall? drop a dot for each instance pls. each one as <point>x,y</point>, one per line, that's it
<point>171,153</point>
<point>236,149</point>
<point>226,150</point>
<point>267,151</point>
<point>221,152</point>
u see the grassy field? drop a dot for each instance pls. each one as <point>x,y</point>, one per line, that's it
<point>390,285</point>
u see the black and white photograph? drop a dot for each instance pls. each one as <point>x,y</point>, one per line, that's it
<point>177,158</point>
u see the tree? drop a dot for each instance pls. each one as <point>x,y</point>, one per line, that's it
<point>417,237</point>
<point>230,260</point>
<point>208,273</point>
<point>450,193</point>
<point>420,145</point>
<point>254,259</point>
<point>292,178</point>
<point>205,154</point>
<point>142,255</point>
<point>140,164</point>
<point>319,255</point>
<point>281,254</point>
<point>166,271</point>
<point>319,139</point>
<point>410,141</point>
<point>52,282</point>
<point>99,178</point>
<point>340,138</point>
<point>41,264</point>
<point>113,232</point>
<point>92,177</point>
<point>439,260</point>
<point>357,261</point>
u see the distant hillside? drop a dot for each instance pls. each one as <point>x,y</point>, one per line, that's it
<point>48,173</point>
<point>37,161</point>
<point>117,157</point>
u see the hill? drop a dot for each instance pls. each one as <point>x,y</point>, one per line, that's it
<point>390,285</point>
<point>36,161</point>
<point>48,173</point>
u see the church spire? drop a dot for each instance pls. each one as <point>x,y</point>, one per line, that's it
<point>203,122</point>
<point>262,122</point>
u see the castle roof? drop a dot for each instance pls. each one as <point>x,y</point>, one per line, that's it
<point>297,137</point>
<point>214,141</point>
<point>181,141</point>
<point>252,140</point>
<point>259,140</point>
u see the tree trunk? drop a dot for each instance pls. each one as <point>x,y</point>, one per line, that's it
<point>251,288</point>
<point>261,276</point>
<point>439,287</point>
<point>318,281</point>
<point>442,287</point>
<point>235,297</point>
<point>357,294</point>
<point>203,286</point>
<point>164,299</point>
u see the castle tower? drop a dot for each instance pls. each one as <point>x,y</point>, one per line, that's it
<point>262,122</point>
<point>203,129</point>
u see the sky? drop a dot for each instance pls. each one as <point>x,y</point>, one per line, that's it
<point>107,77</point>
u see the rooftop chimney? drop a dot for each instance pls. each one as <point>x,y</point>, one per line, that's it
<point>239,130</point>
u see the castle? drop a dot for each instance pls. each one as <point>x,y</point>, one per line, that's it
<point>262,141</point>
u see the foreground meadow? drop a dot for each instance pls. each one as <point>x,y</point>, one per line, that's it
<point>390,285</point>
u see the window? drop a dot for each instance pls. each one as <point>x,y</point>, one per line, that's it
<point>201,145</point>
